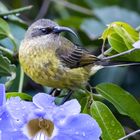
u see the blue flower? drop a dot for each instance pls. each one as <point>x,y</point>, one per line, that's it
<point>9,128</point>
<point>42,119</point>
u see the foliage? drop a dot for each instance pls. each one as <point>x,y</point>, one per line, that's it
<point>94,23</point>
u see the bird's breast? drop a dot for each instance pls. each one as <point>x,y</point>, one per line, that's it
<point>40,62</point>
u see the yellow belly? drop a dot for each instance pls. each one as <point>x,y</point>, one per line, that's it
<point>43,67</point>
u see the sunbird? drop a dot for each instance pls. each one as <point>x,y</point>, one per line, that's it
<point>52,60</point>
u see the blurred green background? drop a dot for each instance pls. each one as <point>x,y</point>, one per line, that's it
<point>88,18</point>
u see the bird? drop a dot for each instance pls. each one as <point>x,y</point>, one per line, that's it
<point>52,60</point>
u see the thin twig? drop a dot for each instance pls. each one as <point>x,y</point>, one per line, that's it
<point>15,11</point>
<point>6,51</point>
<point>105,53</point>
<point>121,54</point>
<point>21,80</point>
<point>43,9</point>
<point>13,41</point>
<point>74,7</point>
<point>130,135</point>
<point>103,48</point>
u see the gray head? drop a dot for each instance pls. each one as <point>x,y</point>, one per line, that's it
<point>45,27</point>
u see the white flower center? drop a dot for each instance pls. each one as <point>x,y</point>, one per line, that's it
<point>40,136</point>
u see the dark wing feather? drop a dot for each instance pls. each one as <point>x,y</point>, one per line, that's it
<point>77,57</point>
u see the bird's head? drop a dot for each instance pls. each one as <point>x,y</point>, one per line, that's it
<point>43,27</point>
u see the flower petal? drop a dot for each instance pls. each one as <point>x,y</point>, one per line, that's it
<point>62,137</point>
<point>5,122</point>
<point>80,127</point>
<point>19,110</point>
<point>43,100</point>
<point>13,135</point>
<point>69,108</point>
<point>2,95</point>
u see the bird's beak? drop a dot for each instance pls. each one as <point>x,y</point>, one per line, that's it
<point>59,29</point>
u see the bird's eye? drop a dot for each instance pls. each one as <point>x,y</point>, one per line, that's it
<point>46,30</point>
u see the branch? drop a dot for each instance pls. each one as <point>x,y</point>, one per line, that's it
<point>6,51</point>
<point>21,80</point>
<point>15,11</point>
<point>43,10</point>
<point>74,7</point>
<point>130,135</point>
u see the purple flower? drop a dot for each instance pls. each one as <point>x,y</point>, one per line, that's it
<point>43,120</point>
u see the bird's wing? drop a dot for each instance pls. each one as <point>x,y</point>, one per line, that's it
<point>77,57</point>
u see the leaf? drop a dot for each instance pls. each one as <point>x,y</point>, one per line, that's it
<point>12,18</point>
<point>124,102</point>
<point>23,96</point>
<point>85,104</point>
<point>92,28</point>
<point>115,13</point>
<point>121,36</point>
<point>7,69</point>
<point>101,3</point>
<point>71,21</point>
<point>84,99</point>
<point>117,43</point>
<point>111,128</point>
<point>107,32</point>
<point>4,29</point>
<point>126,32</point>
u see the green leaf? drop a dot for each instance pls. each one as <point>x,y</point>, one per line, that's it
<point>5,32</point>
<point>71,21</point>
<point>117,43</point>
<point>111,128</point>
<point>23,96</point>
<point>101,3</point>
<point>84,99</point>
<point>85,103</point>
<point>12,18</point>
<point>4,29</point>
<point>126,32</point>
<point>124,102</point>
<point>7,69</point>
<point>121,36</point>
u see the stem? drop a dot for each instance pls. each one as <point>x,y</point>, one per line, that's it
<point>98,97</point>
<point>21,80</point>
<point>74,7</point>
<point>105,53</point>
<point>6,51</point>
<point>16,11</point>
<point>130,135</point>
<point>103,48</point>
<point>43,10</point>
<point>14,42</point>
<point>121,54</point>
